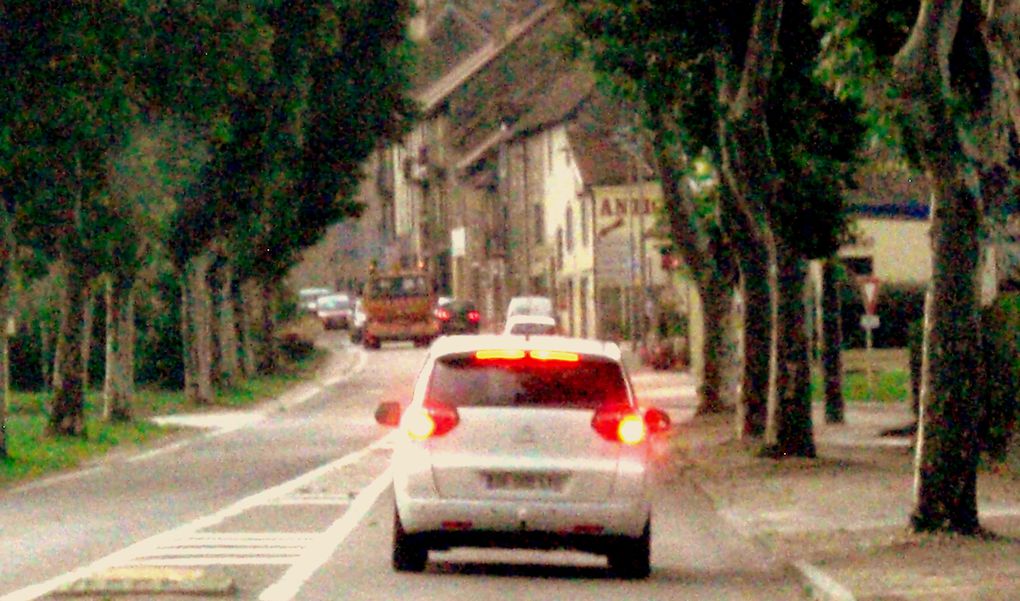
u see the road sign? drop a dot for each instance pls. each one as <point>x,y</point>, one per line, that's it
<point>869,290</point>
<point>869,322</point>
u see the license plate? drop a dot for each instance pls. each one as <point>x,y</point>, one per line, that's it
<point>523,481</point>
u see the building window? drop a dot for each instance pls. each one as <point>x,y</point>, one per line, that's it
<point>570,229</point>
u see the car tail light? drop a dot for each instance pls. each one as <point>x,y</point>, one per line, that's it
<point>442,314</point>
<point>619,423</point>
<point>431,420</point>
<point>474,316</point>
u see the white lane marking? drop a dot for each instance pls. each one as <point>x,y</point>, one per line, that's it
<point>125,555</point>
<point>160,451</point>
<point>46,482</point>
<point>192,562</point>
<point>287,587</point>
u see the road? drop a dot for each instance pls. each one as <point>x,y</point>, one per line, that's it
<point>292,503</point>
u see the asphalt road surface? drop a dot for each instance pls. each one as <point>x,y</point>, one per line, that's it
<point>292,502</point>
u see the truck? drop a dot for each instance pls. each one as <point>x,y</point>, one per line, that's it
<point>399,305</point>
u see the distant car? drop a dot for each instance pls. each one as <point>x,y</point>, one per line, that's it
<point>335,311</point>
<point>457,316</point>
<point>523,443</point>
<point>308,297</point>
<point>357,322</point>
<point>531,325</point>
<point>530,305</point>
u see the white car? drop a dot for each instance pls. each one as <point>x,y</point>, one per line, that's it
<point>530,325</point>
<point>530,305</point>
<point>519,442</point>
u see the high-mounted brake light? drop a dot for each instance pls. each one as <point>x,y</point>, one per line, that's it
<point>499,354</point>
<point>554,356</point>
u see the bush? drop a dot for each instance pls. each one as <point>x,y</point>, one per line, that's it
<point>295,347</point>
<point>1000,349</point>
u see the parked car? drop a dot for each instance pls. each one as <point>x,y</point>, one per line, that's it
<point>335,311</point>
<point>457,316</point>
<point>531,325</point>
<point>357,322</point>
<point>308,298</point>
<point>523,443</point>
<point>530,305</point>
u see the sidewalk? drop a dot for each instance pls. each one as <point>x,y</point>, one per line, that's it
<point>842,518</point>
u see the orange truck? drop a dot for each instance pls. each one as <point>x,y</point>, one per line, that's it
<point>399,305</point>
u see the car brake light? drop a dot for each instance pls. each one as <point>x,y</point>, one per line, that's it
<point>554,356</point>
<point>431,420</point>
<point>442,314</point>
<point>474,316</point>
<point>499,354</point>
<point>619,423</point>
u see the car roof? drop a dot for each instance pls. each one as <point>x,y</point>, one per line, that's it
<point>544,320</point>
<point>451,345</point>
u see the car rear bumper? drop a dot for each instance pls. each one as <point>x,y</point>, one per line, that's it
<point>401,331</point>
<point>524,523</point>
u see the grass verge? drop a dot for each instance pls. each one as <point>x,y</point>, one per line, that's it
<point>31,453</point>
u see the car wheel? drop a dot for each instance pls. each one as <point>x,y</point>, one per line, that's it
<point>633,559</point>
<point>372,343</point>
<point>408,555</point>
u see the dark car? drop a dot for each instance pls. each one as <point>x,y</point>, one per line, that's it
<point>457,316</point>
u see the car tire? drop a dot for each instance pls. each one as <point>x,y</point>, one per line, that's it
<point>370,343</point>
<point>632,559</point>
<point>408,554</point>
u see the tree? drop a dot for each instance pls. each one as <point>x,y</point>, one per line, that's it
<point>937,79</point>
<point>70,107</point>
<point>730,85</point>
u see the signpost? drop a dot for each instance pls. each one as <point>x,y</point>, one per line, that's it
<point>869,321</point>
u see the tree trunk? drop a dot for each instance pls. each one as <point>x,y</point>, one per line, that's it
<point>214,287</point>
<point>248,297</point>
<point>949,448</point>
<point>791,434</point>
<point>129,335</point>
<point>67,413</point>
<point>6,260</point>
<point>188,338</point>
<point>716,295</point>
<point>270,361</point>
<point>89,312</point>
<point>227,325</point>
<point>754,266</point>
<point>60,271</point>
<point>201,320</point>
<point>832,341</point>
<point>116,405</point>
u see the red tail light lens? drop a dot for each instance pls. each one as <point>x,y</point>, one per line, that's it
<point>442,314</point>
<point>474,316</point>
<point>619,423</point>
<point>431,420</point>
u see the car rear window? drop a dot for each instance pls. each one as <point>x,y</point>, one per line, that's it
<point>463,381</point>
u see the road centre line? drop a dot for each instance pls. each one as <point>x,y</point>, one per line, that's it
<point>123,556</point>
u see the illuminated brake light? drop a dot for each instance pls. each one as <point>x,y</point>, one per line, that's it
<point>442,314</point>
<point>554,356</point>
<point>474,316</point>
<point>499,354</point>
<point>631,430</point>
<point>434,419</point>
<point>419,425</point>
<point>620,423</point>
